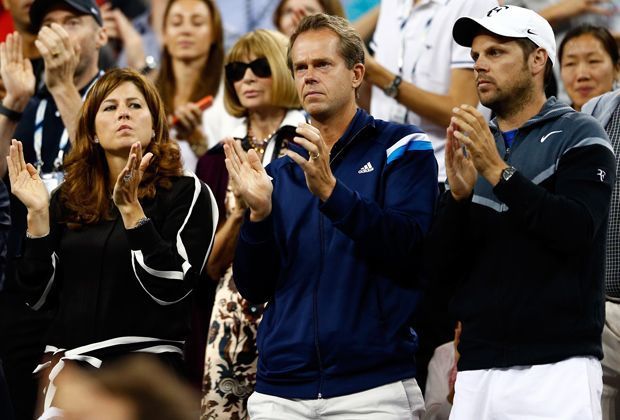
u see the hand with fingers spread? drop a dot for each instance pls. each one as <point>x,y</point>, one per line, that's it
<point>319,177</point>
<point>471,130</point>
<point>16,73</point>
<point>27,186</point>
<point>460,169</point>
<point>60,54</point>
<point>125,194</point>
<point>249,178</point>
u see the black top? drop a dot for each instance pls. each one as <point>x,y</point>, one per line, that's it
<point>109,282</point>
<point>527,256</point>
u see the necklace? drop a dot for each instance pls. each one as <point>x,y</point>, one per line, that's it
<point>261,145</point>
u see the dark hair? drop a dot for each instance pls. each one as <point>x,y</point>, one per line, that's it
<point>351,45</point>
<point>85,192</point>
<point>330,7</point>
<point>209,83</point>
<point>598,32</point>
<point>528,47</point>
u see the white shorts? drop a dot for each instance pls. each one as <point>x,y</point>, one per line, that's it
<point>567,390</point>
<point>400,400</point>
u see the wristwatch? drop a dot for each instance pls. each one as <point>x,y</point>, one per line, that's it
<point>391,90</point>
<point>150,64</point>
<point>507,173</point>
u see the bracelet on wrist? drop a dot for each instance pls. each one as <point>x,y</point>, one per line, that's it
<point>12,115</point>
<point>141,222</point>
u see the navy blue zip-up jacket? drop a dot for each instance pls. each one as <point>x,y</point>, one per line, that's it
<point>334,273</point>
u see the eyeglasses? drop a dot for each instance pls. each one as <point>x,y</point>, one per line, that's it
<point>236,69</point>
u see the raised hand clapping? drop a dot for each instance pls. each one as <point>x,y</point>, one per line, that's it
<point>27,186</point>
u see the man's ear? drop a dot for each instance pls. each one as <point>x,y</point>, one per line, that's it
<point>102,37</point>
<point>538,61</point>
<point>358,74</point>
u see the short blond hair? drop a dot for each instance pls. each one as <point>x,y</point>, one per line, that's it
<point>272,45</point>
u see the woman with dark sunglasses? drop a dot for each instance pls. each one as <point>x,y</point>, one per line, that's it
<point>260,89</point>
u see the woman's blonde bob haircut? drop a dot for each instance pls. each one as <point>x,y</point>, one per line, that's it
<point>257,44</point>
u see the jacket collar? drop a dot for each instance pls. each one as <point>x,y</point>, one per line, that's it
<point>361,121</point>
<point>550,110</point>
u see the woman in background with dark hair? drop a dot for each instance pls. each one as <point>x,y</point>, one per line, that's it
<point>123,241</point>
<point>191,68</point>
<point>289,13</point>
<point>589,63</point>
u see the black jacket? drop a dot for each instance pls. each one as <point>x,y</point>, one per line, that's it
<point>109,282</point>
<point>527,257</point>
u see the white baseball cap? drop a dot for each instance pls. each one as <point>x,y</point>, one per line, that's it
<point>511,22</point>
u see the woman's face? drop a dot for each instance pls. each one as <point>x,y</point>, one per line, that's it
<point>587,70</point>
<point>253,91</point>
<point>293,10</point>
<point>188,30</point>
<point>122,119</point>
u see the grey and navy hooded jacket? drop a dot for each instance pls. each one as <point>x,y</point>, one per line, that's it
<point>334,273</point>
<point>527,256</point>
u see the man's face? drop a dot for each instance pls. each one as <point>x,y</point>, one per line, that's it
<point>502,74</point>
<point>19,12</point>
<point>324,83</point>
<point>83,30</point>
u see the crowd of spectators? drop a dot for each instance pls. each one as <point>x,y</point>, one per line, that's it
<point>93,243</point>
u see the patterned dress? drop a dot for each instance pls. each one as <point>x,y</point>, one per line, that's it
<point>230,362</point>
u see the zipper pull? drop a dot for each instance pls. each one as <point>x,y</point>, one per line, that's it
<point>319,396</point>
<point>507,155</point>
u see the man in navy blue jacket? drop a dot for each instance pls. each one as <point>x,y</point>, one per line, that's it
<point>332,235</point>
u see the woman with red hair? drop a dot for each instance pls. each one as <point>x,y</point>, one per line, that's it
<point>124,238</point>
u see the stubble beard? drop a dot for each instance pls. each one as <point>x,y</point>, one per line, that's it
<point>511,99</point>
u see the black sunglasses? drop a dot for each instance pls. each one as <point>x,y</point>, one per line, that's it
<point>236,69</point>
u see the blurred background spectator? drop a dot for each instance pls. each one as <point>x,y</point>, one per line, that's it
<point>589,63</point>
<point>289,13</point>
<point>133,388</point>
<point>191,68</point>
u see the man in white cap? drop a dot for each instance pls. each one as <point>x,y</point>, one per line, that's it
<point>524,226</point>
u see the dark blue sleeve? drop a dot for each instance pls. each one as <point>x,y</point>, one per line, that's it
<point>256,265</point>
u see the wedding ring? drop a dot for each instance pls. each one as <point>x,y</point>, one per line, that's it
<point>314,156</point>
<point>128,177</point>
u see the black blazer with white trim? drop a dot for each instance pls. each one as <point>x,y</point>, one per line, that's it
<point>108,282</point>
